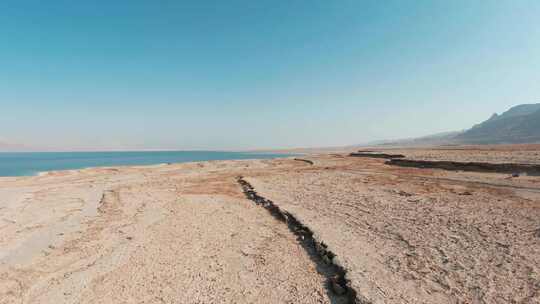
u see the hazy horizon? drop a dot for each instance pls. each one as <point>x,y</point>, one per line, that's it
<point>247,75</point>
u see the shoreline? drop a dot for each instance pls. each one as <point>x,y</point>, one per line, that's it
<point>52,172</point>
<point>46,172</point>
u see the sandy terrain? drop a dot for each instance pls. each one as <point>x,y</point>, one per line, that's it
<point>164,234</point>
<point>187,234</point>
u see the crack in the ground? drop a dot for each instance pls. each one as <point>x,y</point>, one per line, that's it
<point>372,154</point>
<point>515,169</point>
<point>324,258</point>
<point>304,160</point>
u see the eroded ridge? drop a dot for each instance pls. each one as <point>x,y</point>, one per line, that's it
<point>335,274</point>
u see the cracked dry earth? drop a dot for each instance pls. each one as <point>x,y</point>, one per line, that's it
<point>186,233</point>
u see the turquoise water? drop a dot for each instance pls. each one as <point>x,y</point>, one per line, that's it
<point>20,164</point>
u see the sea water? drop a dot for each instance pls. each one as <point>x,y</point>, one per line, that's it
<point>32,163</point>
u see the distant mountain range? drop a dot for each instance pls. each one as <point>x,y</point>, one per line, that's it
<point>520,124</point>
<point>428,140</point>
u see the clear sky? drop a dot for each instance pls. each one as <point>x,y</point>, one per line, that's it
<point>259,74</point>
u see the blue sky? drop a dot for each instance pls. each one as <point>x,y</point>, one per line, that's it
<point>259,74</point>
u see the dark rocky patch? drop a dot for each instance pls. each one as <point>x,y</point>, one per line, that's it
<point>468,166</point>
<point>304,160</point>
<point>376,155</point>
<point>317,250</point>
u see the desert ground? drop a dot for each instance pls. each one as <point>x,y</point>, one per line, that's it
<point>191,233</point>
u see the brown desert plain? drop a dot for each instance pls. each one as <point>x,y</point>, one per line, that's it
<point>321,228</point>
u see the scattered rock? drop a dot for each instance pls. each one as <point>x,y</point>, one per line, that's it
<point>326,260</point>
<point>403,193</point>
<point>337,288</point>
<point>413,200</point>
